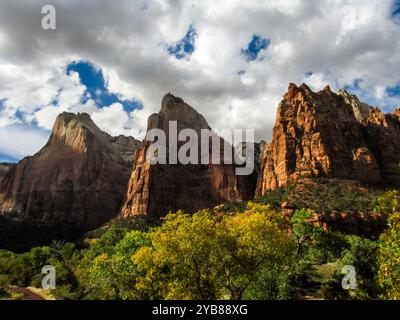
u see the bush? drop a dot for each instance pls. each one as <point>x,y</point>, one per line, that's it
<point>200,257</point>
<point>389,202</point>
<point>106,270</point>
<point>389,259</point>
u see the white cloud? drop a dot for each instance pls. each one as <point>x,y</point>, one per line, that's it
<point>19,141</point>
<point>338,41</point>
<point>112,119</point>
<point>316,81</point>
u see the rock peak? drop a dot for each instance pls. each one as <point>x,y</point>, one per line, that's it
<point>294,89</point>
<point>291,90</point>
<point>326,134</point>
<point>175,109</point>
<point>68,116</point>
<point>305,87</point>
<point>155,190</point>
<point>170,100</point>
<point>396,112</point>
<point>75,131</point>
<point>361,110</point>
<point>75,183</point>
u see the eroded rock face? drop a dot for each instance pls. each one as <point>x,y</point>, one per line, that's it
<point>367,224</point>
<point>4,168</point>
<point>155,190</point>
<point>397,113</point>
<point>361,110</point>
<point>125,146</point>
<point>75,183</point>
<point>382,132</point>
<point>325,134</point>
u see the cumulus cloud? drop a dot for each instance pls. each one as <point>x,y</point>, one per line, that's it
<point>139,45</point>
<point>18,141</point>
<point>114,120</point>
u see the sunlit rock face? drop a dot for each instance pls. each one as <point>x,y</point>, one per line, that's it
<point>330,135</point>
<point>155,190</point>
<point>75,183</point>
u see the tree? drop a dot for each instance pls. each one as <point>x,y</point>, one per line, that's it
<point>303,231</point>
<point>361,254</point>
<point>106,270</point>
<point>258,255</point>
<point>181,263</point>
<point>389,202</point>
<point>389,259</point>
<point>202,256</point>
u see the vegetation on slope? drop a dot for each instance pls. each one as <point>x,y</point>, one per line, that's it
<point>244,251</point>
<point>324,195</point>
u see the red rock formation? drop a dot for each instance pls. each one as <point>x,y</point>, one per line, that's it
<point>75,183</point>
<point>397,113</point>
<point>320,134</point>
<point>125,146</point>
<point>361,110</point>
<point>368,224</point>
<point>382,132</point>
<point>4,168</point>
<point>155,190</point>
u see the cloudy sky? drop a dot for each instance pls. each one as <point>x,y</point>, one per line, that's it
<point>232,60</point>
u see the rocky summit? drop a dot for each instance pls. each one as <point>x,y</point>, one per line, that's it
<point>75,183</point>
<point>83,177</point>
<point>326,134</point>
<point>155,190</point>
<point>4,168</point>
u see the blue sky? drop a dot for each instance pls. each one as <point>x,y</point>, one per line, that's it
<point>255,46</point>
<point>8,158</point>
<point>365,96</point>
<point>396,9</point>
<point>93,79</point>
<point>394,91</point>
<point>184,48</point>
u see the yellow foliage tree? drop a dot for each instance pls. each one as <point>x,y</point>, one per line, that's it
<point>389,259</point>
<point>202,256</point>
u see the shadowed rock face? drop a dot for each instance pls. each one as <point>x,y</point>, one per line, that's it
<point>4,168</point>
<point>325,134</point>
<point>125,146</point>
<point>361,110</point>
<point>155,190</point>
<point>75,183</point>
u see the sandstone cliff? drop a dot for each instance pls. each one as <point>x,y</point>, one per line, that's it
<point>361,109</point>
<point>155,190</point>
<point>75,183</point>
<point>125,146</point>
<point>4,168</point>
<point>329,135</point>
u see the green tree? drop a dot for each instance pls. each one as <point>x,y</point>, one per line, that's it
<point>361,253</point>
<point>389,259</point>
<point>389,202</point>
<point>106,270</point>
<point>303,231</point>
<point>202,256</point>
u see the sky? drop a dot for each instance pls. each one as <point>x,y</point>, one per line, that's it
<point>232,60</point>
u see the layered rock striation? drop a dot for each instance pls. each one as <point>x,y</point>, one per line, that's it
<point>326,134</point>
<point>157,189</point>
<point>75,183</point>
